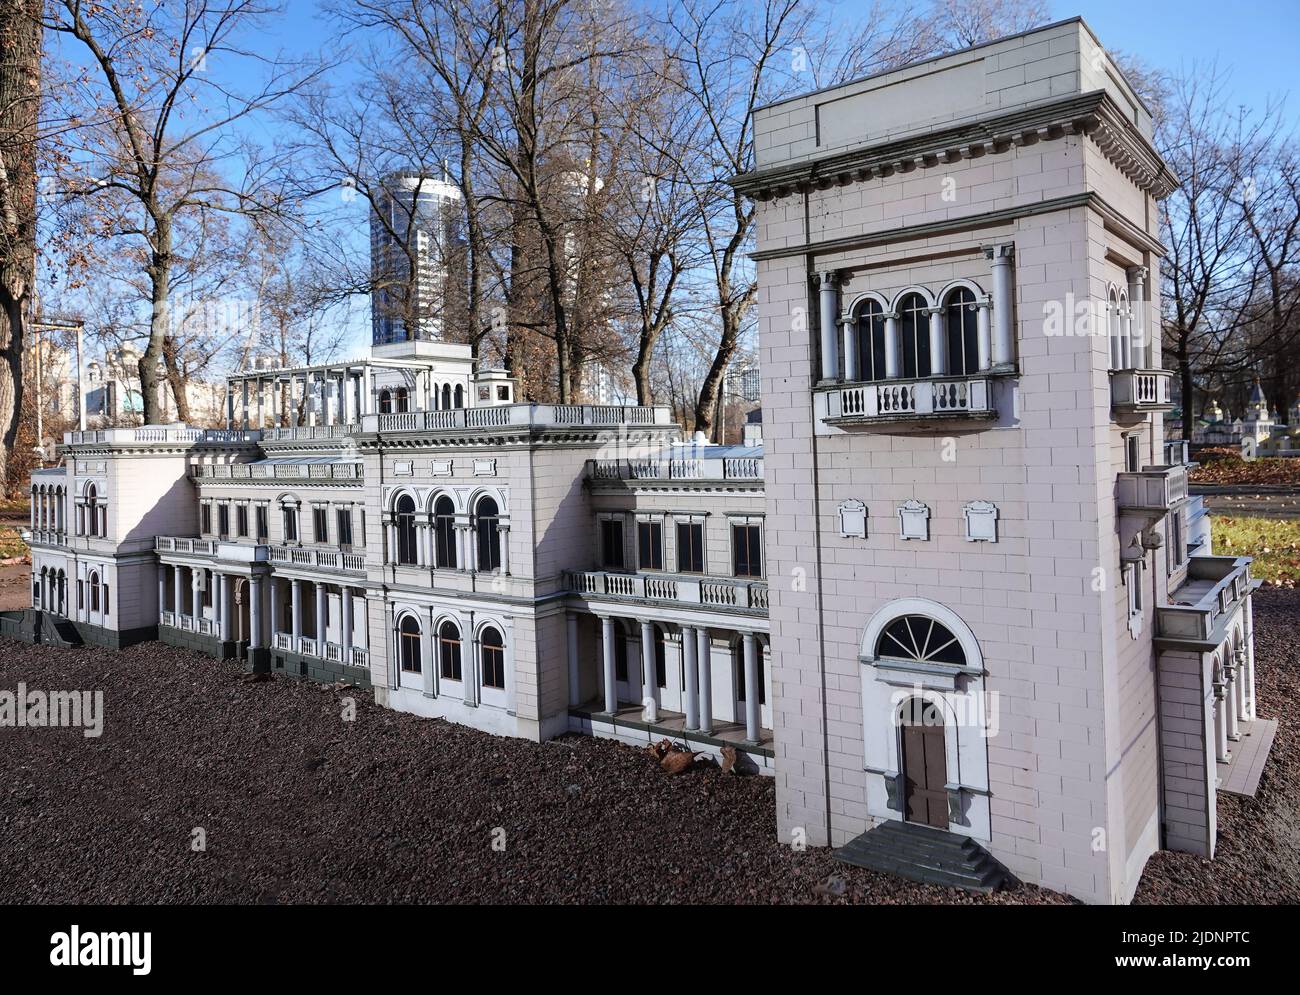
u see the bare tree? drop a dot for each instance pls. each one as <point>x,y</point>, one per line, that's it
<point>20,97</point>
<point>963,23</point>
<point>161,139</point>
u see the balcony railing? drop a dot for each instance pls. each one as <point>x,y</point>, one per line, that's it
<point>1154,489</point>
<point>709,592</point>
<point>937,398</point>
<point>1213,586</point>
<point>1139,391</point>
<point>280,471</point>
<point>318,559</point>
<point>307,433</point>
<point>518,416</point>
<point>357,656</point>
<point>178,544</point>
<point>48,537</point>
<point>160,433</point>
<point>705,468</point>
<point>282,641</point>
<point>1178,453</point>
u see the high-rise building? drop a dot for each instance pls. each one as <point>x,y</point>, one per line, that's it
<point>421,211</point>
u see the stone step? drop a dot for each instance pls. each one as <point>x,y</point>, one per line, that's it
<point>930,856</point>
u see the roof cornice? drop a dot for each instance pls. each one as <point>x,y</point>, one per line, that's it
<point>1093,114</point>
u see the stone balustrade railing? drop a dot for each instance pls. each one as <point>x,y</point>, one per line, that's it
<point>691,468</point>
<point>518,416</point>
<point>1197,620</point>
<point>1140,390</point>
<point>899,400</point>
<point>319,559</point>
<point>1153,489</point>
<point>710,592</point>
<point>308,433</point>
<point>160,433</point>
<point>280,471</point>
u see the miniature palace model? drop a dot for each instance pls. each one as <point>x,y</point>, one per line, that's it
<point>960,593</point>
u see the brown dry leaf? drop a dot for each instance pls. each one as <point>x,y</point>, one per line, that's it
<point>728,759</point>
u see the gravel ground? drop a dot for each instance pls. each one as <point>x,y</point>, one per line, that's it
<point>301,806</point>
<point>15,586</point>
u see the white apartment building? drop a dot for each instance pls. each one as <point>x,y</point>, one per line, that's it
<point>948,603</point>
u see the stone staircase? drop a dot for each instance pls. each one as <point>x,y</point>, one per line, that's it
<point>930,856</point>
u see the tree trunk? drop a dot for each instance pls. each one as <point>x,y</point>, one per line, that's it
<point>711,389</point>
<point>1185,381</point>
<point>160,275</point>
<point>176,379</point>
<point>20,82</point>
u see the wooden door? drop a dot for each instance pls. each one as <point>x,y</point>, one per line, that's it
<point>925,766</point>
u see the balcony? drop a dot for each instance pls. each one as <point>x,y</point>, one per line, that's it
<point>1201,607</point>
<point>691,465</point>
<point>318,559</point>
<point>519,416</point>
<point>356,656</point>
<point>310,433</point>
<point>1151,491</point>
<point>160,433</point>
<point>898,402</point>
<point>1139,392</point>
<point>746,596</point>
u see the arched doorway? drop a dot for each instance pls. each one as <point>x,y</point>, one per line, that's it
<point>924,763</point>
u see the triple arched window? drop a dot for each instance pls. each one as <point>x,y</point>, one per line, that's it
<point>885,343</point>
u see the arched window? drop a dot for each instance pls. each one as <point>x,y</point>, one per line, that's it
<point>1112,319</point>
<point>1125,317</point>
<point>460,395</point>
<point>446,395</point>
<point>408,644</point>
<point>914,329</point>
<point>871,341</point>
<point>922,639</point>
<point>404,516</point>
<point>493,651</point>
<point>92,511</point>
<point>401,400</point>
<point>449,651</point>
<point>385,402</point>
<point>92,581</point>
<point>444,533</point>
<point>487,526</point>
<point>963,333</point>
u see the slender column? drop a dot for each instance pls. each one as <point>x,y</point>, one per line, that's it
<point>571,627</point>
<point>1234,729</point>
<point>692,678</point>
<point>1220,724</point>
<point>648,685</point>
<point>295,609</point>
<point>938,343</point>
<point>1240,684</point>
<point>428,643</point>
<point>196,609</point>
<point>1002,257</point>
<point>320,620</point>
<point>829,299</point>
<point>247,407</point>
<point>848,338</point>
<point>368,393</point>
<point>753,713</point>
<point>1250,659</point>
<point>227,584</point>
<point>162,591</point>
<point>255,612</point>
<point>607,651</point>
<point>1143,349</point>
<point>893,347</point>
<point>345,629</point>
<point>178,597</point>
<point>503,536</point>
<point>706,681</point>
<point>983,332</point>
<point>273,586</point>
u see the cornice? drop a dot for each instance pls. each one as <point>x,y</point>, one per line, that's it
<point>1093,114</point>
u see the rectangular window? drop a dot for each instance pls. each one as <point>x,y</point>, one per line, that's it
<point>690,547</point>
<point>320,523</point>
<point>223,520</point>
<point>650,545</point>
<point>1132,453</point>
<point>263,525</point>
<point>290,524</point>
<point>611,543</point>
<point>241,521</point>
<point>345,526</point>
<point>205,528</point>
<point>747,550</point>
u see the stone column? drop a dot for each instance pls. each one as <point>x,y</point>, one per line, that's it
<point>255,612</point>
<point>196,609</point>
<point>178,596</point>
<point>706,681</point>
<point>938,343</point>
<point>829,300</point>
<point>295,610</point>
<point>1220,724</point>
<point>1234,729</point>
<point>230,405</point>
<point>1002,257</point>
<point>893,346</point>
<point>1250,658</point>
<point>320,620</point>
<point>1240,684</point>
<point>247,407</point>
<point>983,332</point>
<point>692,677</point>
<point>345,627</point>
<point>428,658</point>
<point>607,651</point>
<point>503,537</point>
<point>849,339</point>
<point>368,391</point>
<point>648,684</point>
<point>227,583</point>
<point>1142,348</point>
<point>274,587</point>
<point>571,630</point>
<point>162,591</point>
<point>753,689</point>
